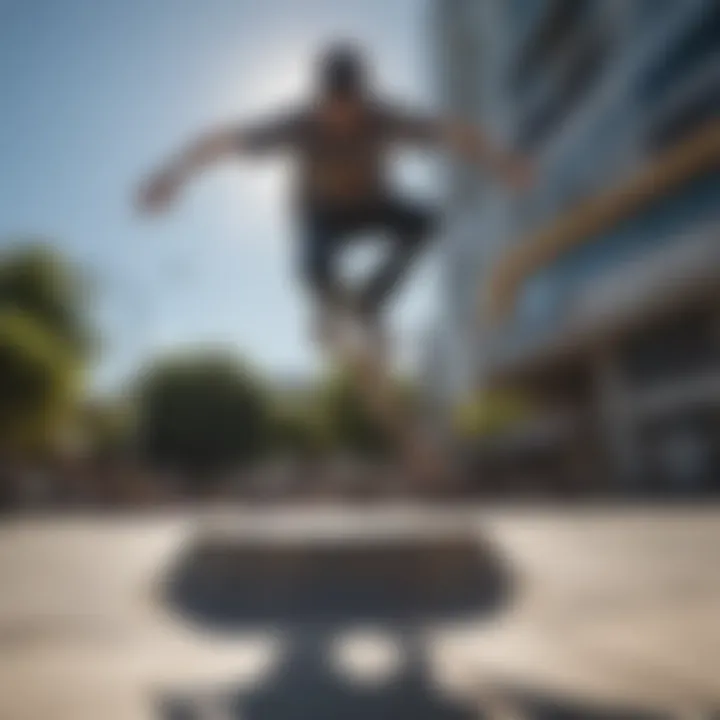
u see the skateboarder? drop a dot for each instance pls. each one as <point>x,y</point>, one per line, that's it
<point>342,139</point>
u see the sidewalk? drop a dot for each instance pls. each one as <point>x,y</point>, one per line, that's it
<point>609,607</point>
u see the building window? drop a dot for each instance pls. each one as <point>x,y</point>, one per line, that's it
<point>682,91</point>
<point>575,74</point>
<point>521,14</point>
<point>696,111</point>
<point>559,24</point>
<point>648,12</point>
<point>680,349</point>
<point>696,50</point>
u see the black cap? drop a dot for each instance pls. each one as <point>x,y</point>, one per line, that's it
<point>342,70</point>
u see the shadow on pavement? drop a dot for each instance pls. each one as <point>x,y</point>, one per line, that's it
<point>306,685</point>
<point>225,586</point>
<point>310,593</point>
<point>533,705</point>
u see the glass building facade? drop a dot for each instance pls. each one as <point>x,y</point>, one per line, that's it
<point>618,104</point>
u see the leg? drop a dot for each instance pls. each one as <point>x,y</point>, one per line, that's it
<point>410,228</point>
<point>319,248</point>
<point>317,262</point>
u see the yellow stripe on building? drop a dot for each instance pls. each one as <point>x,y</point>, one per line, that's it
<point>688,159</point>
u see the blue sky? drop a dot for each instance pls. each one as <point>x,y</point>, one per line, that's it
<point>95,92</point>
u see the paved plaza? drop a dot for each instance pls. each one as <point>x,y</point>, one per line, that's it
<point>604,613</point>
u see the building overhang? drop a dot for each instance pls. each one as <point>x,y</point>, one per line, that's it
<point>641,292</point>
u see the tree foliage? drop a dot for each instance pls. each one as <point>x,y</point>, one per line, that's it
<point>490,413</point>
<point>36,280</point>
<point>44,340</point>
<point>297,430</point>
<point>350,425</point>
<point>201,414</point>
<point>37,381</point>
<point>108,427</point>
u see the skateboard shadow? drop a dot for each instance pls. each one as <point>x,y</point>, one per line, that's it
<point>308,594</point>
<point>230,586</point>
<point>305,686</point>
<point>535,705</point>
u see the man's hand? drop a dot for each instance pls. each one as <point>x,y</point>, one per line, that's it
<point>515,171</point>
<point>157,193</point>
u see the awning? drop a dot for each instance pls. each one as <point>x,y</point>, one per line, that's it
<point>670,277</point>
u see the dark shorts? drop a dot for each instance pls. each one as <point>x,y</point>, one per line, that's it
<point>405,226</point>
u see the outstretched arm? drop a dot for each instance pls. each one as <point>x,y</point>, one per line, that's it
<point>465,140</point>
<point>160,189</point>
<point>472,144</point>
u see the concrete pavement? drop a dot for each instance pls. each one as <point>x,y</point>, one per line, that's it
<point>613,611</point>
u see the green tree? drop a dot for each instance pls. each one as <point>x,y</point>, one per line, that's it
<point>108,428</point>
<point>202,414</point>
<point>350,425</point>
<point>44,340</point>
<point>37,280</point>
<point>490,413</point>
<point>38,380</point>
<point>297,431</point>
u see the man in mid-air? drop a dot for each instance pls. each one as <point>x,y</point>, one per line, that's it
<point>342,140</point>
